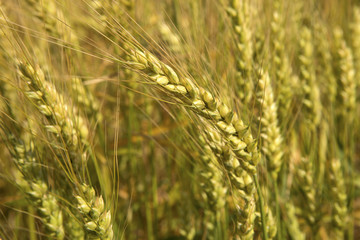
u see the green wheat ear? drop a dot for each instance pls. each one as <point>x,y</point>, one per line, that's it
<point>346,77</point>
<point>355,42</point>
<point>305,181</point>
<point>31,182</point>
<point>311,93</point>
<point>238,11</point>
<point>339,198</point>
<point>97,220</point>
<point>280,64</point>
<point>272,141</point>
<point>63,123</point>
<point>236,135</point>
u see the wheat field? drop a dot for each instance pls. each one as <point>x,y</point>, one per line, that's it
<point>179,119</point>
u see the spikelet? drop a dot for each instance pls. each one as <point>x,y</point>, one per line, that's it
<point>85,100</point>
<point>171,38</point>
<point>73,228</point>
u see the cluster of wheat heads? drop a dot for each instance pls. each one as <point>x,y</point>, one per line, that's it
<point>179,119</point>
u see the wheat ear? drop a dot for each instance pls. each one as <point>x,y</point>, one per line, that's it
<point>97,220</point>
<point>310,89</point>
<point>346,76</point>
<point>46,204</point>
<point>339,198</point>
<point>281,62</point>
<point>292,223</point>
<point>33,185</point>
<point>325,70</point>
<point>73,228</point>
<point>85,100</point>
<point>201,102</point>
<point>244,49</point>
<point>244,189</point>
<point>355,41</point>
<point>213,187</point>
<point>63,123</point>
<point>46,11</point>
<point>305,180</point>
<point>236,134</point>
<point>272,140</point>
<point>270,222</point>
